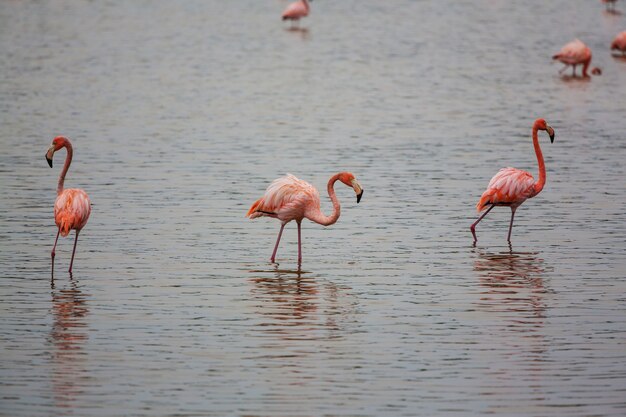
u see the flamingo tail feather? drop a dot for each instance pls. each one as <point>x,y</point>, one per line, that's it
<point>485,200</point>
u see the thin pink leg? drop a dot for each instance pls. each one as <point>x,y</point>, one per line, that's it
<point>273,258</point>
<point>511,225</point>
<point>573,70</point>
<point>53,253</point>
<point>74,251</point>
<point>473,226</point>
<point>563,69</point>
<point>299,246</point>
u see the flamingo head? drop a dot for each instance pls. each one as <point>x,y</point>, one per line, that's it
<point>57,143</point>
<point>541,124</point>
<point>596,71</point>
<point>348,179</point>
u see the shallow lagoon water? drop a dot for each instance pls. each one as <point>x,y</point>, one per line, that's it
<point>181,113</point>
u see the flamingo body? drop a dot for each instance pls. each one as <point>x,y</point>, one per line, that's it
<point>297,10</point>
<point>511,187</point>
<point>619,43</point>
<point>71,210</point>
<point>289,198</point>
<point>574,53</point>
<point>72,206</point>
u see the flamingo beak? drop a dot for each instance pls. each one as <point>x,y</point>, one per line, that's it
<point>358,190</point>
<point>49,155</point>
<point>550,133</point>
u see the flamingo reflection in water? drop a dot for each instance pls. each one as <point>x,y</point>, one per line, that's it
<point>295,306</point>
<point>512,282</point>
<point>289,300</point>
<point>512,314</point>
<point>67,336</point>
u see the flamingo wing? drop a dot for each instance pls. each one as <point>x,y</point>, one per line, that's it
<point>286,198</point>
<point>574,52</point>
<point>71,210</point>
<point>619,42</point>
<point>295,11</point>
<point>508,187</point>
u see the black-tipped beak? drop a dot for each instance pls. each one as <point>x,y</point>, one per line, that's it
<point>550,133</point>
<point>358,197</point>
<point>49,155</point>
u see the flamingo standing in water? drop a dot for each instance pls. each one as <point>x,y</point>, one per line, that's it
<point>289,198</point>
<point>72,206</point>
<point>619,43</point>
<point>511,187</point>
<point>296,10</point>
<point>575,53</point>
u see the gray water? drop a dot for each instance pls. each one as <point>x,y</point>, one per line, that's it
<point>181,113</point>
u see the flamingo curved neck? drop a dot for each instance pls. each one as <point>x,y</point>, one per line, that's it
<point>318,216</point>
<point>66,166</point>
<point>542,167</point>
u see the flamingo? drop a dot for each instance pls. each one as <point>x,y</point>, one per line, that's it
<point>574,53</point>
<point>72,206</point>
<point>289,198</point>
<point>511,187</point>
<point>296,10</point>
<point>619,43</point>
<point>610,5</point>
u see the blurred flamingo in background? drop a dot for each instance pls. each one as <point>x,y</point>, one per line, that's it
<point>511,187</point>
<point>72,206</point>
<point>296,10</point>
<point>289,198</point>
<point>575,53</point>
<point>610,5</point>
<point>619,43</point>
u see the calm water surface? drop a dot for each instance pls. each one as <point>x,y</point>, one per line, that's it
<point>181,113</point>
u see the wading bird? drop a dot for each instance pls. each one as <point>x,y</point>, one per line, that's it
<point>72,206</point>
<point>610,5</point>
<point>296,10</point>
<point>619,43</point>
<point>576,53</point>
<point>511,187</point>
<point>289,198</point>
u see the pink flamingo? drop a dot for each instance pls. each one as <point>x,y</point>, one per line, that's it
<point>296,10</point>
<point>619,43</point>
<point>511,187</point>
<point>575,53</point>
<point>72,206</point>
<point>289,198</point>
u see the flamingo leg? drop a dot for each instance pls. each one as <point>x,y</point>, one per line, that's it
<point>299,245</point>
<point>53,253</point>
<point>473,226</point>
<point>73,251</point>
<point>273,258</point>
<point>511,225</point>
<point>563,69</point>
<point>574,70</point>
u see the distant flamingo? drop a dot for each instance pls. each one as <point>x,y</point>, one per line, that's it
<point>296,10</point>
<point>610,5</point>
<point>619,43</point>
<point>511,187</point>
<point>289,198</point>
<point>72,206</point>
<point>575,53</point>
